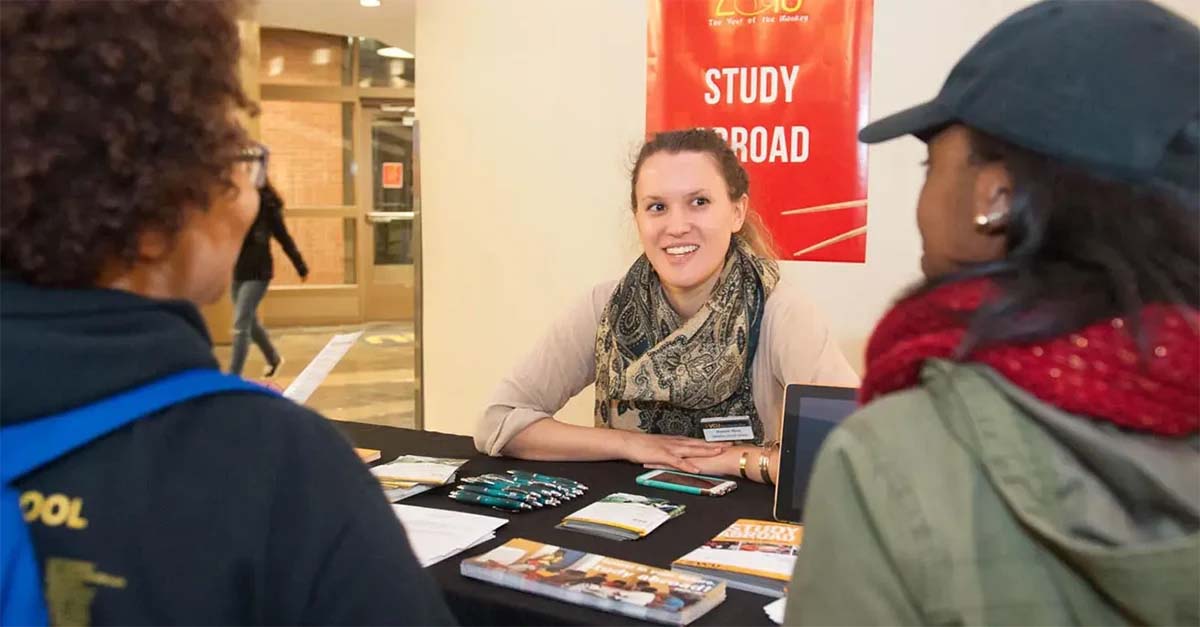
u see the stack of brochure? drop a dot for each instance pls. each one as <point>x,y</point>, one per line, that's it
<point>753,555</point>
<point>410,475</point>
<point>591,580</point>
<point>622,516</point>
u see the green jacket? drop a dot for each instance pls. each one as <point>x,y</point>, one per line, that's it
<point>968,501</point>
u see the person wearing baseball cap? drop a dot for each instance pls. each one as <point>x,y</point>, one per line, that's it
<point>1029,445</point>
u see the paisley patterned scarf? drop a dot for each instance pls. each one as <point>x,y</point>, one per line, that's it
<point>658,374</point>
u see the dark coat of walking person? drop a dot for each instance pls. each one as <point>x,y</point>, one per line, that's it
<point>252,275</point>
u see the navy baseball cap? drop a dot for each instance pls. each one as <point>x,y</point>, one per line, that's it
<point>1109,85</point>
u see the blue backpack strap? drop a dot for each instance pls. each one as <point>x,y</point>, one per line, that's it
<point>30,445</point>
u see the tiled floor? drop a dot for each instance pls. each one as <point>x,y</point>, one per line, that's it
<point>374,383</point>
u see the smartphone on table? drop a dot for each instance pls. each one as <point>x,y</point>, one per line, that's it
<point>686,482</point>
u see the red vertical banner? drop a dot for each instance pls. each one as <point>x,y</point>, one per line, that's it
<point>786,83</point>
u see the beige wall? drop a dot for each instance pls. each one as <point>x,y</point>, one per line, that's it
<point>906,68</point>
<point>529,113</point>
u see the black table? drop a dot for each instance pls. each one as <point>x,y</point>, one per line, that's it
<point>478,603</point>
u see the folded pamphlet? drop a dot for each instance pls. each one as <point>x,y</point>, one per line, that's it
<point>622,516</point>
<point>419,469</point>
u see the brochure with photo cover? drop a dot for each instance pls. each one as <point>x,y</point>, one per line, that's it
<point>752,555</point>
<point>418,469</point>
<point>596,581</point>
<point>622,516</point>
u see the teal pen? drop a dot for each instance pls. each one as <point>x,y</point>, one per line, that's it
<point>569,492</point>
<point>501,481</point>
<point>570,484</point>
<point>541,490</point>
<point>490,501</point>
<point>511,485</point>
<point>556,490</point>
<point>504,494</point>
<point>533,486</point>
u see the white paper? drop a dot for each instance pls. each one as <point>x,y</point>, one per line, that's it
<point>320,367</point>
<point>774,610</point>
<point>436,534</point>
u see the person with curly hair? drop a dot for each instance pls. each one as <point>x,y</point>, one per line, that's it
<point>127,188</point>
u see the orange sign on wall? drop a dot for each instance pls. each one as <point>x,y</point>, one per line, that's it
<point>392,176</point>
<point>785,82</point>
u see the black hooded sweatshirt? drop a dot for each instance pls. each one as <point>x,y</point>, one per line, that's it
<point>230,509</point>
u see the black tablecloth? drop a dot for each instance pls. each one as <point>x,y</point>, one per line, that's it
<point>478,603</point>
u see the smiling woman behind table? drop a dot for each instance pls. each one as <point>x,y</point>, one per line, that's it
<point>699,326</point>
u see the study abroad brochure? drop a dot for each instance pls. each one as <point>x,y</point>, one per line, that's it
<point>753,555</point>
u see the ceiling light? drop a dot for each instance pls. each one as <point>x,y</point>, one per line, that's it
<point>393,52</point>
<point>369,3</point>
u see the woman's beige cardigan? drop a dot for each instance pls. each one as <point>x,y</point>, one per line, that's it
<point>794,346</point>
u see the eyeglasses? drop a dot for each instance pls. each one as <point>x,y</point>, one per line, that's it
<point>257,156</point>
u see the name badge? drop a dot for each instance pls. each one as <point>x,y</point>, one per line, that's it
<point>727,428</point>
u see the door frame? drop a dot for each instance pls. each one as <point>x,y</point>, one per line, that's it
<point>371,304</point>
<point>329,304</point>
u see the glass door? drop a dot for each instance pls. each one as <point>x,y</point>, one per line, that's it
<point>390,284</point>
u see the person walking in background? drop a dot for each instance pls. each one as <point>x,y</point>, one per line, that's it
<point>1028,453</point>
<point>252,275</point>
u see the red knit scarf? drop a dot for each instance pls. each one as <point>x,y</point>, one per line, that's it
<point>1096,372</point>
